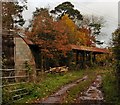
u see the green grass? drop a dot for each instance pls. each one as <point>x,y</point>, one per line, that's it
<point>110,87</point>
<point>73,93</point>
<point>7,94</point>
<point>49,84</point>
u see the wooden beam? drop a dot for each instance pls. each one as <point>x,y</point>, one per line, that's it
<point>94,57</point>
<point>77,54</point>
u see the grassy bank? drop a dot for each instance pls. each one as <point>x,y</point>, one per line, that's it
<point>110,87</point>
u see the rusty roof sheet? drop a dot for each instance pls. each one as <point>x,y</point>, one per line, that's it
<point>27,41</point>
<point>89,49</point>
<point>75,47</point>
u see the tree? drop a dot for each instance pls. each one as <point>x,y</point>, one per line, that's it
<point>72,28</point>
<point>67,8</point>
<point>116,50</point>
<point>84,37</point>
<point>12,14</point>
<point>50,36</point>
<point>95,24</point>
<point>79,36</point>
<point>11,17</point>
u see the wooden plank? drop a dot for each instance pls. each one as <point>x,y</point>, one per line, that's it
<point>14,77</point>
<point>20,95</point>
<point>17,90</point>
<point>14,84</point>
<point>12,70</point>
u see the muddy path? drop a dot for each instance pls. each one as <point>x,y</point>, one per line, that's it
<point>59,96</point>
<point>93,95</point>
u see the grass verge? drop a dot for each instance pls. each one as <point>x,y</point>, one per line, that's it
<point>73,93</point>
<point>110,87</point>
<point>49,84</point>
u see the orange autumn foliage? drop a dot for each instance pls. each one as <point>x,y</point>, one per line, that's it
<point>72,28</point>
<point>51,36</point>
<point>80,36</point>
<point>55,36</point>
<point>85,37</point>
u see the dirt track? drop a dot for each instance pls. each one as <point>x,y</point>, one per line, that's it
<point>59,95</point>
<point>92,96</point>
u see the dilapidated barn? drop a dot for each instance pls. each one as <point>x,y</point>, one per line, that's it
<point>21,54</point>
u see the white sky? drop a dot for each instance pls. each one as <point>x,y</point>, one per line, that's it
<point>106,8</point>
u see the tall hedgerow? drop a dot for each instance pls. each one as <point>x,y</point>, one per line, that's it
<point>116,50</point>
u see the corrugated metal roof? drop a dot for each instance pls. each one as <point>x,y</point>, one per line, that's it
<point>27,41</point>
<point>75,47</point>
<point>89,49</point>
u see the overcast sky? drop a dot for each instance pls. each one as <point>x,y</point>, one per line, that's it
<point>106,8</point>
